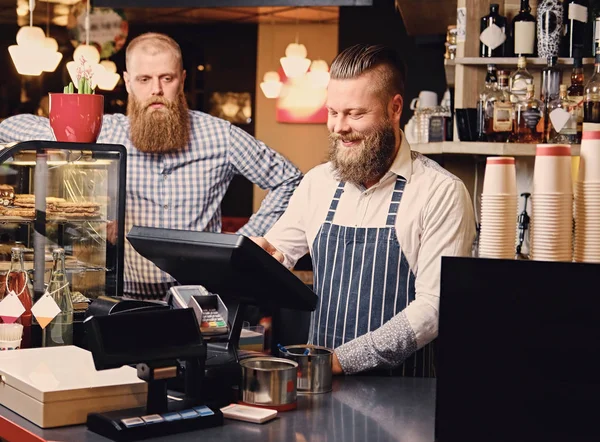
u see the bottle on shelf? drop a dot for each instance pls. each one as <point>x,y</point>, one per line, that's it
<point>551,81</point>
<point>591,96</point>
<point>595,31</point>
<point>575,28</point>
<point>483,112</point>
<point>60,330</point>
<point>549,27</point>
<point>498,126</point>
<point>575,94</point>
<point>519,80</point>
<point>528,124</point>
<point>18,282</point>
<point>493,33</point>
<point>523,31</point>
<point>562,127</point>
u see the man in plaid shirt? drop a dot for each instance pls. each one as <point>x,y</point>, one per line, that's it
<point>179,163</point>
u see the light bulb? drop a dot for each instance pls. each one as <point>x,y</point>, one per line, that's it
<point>296,50</point>
<point>89,53</point>
<point>30,37</point>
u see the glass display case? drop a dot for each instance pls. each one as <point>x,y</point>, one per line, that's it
<point>66,195</point>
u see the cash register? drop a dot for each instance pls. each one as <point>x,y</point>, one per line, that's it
<point>218,275</point>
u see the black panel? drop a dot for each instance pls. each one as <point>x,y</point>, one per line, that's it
<point>518,351</point>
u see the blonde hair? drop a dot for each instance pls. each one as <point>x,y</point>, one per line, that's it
<point>362,58</point>
<point>153,43</point>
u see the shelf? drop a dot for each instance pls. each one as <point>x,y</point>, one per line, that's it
<point>477,148</point>
<point>510,61</point>
<point>24,220</point>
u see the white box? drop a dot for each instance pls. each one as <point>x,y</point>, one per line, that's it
<point>58,386</point>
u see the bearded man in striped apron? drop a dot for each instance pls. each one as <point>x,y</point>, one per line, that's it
<point>376,219</point>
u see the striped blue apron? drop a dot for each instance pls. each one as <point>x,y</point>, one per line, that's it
<point>362,279</point>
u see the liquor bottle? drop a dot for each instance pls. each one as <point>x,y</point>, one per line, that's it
<point>499,125</point>
<point>591,96</point>
<point>551,80</point>
<point>562,127</point>
<point>493,34</point>
<point>595,31</point>
<point>523,30</point>
<point>528,125</point>
<point>549,27</point>
<point>576,28</point>
<point>18,282</point>
<point>575,94</point>
<point>60,330</point>
<point>491,82</point>
<point>519,80</point>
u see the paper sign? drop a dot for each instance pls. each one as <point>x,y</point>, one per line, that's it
<point>461,25</point>
<point>578,12</point>
<point>45,310</point>
<point>11,308</point>
<point>493,36</point>
<point>559,118</point>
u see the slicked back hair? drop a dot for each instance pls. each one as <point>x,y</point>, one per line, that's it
<point>359,59</point>
<point>153,43</point>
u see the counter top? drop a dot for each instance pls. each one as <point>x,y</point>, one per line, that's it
<point>360,408</point>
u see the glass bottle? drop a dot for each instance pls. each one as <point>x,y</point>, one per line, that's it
<point>519,80</point>
<point>60,330</point>
<point>559,130</point>
<point>482,111</point>
<point>498,126</point>
<point>575,94</point>
<point>551,80</point>
<point>549,27</point>
<point>493,32</point>
<point>591,96</point>
<point>594,16</point>
<point>523,30</point>
<point>596,35</point>
<point>576,26</point>
<point>18,282</point>
<point>528,126</point>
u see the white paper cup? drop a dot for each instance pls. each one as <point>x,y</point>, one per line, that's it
<point>552,169</point>
<point>500,176</point>
<point>589,161</point>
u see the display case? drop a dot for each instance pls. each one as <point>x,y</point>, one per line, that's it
<point>67,195</point>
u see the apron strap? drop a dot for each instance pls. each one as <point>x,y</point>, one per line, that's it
<point>395,203</point>
<point>334,202</point>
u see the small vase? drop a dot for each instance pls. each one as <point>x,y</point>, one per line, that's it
<point>549,27</point>
<point>76,118</point>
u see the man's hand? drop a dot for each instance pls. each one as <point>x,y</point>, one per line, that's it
<point>336,368</point>
<point>268,247</point>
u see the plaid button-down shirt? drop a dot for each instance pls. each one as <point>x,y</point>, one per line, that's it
<point>182,190</point>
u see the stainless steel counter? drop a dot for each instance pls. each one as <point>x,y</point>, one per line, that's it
<point>359,409</point>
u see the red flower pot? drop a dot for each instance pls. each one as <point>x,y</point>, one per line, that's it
<point>76,118</point>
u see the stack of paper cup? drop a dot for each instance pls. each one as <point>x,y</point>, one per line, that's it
<point>499,209</point>
<point>10,336</point>
<point>587,197</point>
<point>551,234</point>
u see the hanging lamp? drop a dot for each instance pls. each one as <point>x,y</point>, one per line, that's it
<point>28,54</point>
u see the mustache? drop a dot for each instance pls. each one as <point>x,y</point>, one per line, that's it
<point>157,100</point>
<point>347,138</point>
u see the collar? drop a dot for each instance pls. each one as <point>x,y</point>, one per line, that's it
<point>402,164</point>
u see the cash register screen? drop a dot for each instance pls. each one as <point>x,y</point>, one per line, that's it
<point>229,265</point>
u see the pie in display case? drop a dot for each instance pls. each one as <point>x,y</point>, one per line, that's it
<point>67,195</point>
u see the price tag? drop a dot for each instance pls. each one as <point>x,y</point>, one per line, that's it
<point>11,308</point>
<point>492,36</point>
<point>45,310</point>
<point>559,117</point>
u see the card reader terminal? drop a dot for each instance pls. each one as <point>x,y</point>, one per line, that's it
<point>210,310</point>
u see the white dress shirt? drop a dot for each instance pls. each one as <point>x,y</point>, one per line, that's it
<point>435,219</point>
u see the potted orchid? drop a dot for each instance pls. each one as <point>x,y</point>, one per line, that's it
<point>77,117</point>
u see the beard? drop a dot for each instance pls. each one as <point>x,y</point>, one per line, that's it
<point>365,162</point>
<point>161,130</point>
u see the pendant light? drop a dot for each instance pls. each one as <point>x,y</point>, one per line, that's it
<point>295,64</point>
<point>271,84</point>
<point>319,74</point>
<point>52,56</point>
<point>86,59</point>
<point>28,52</point>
